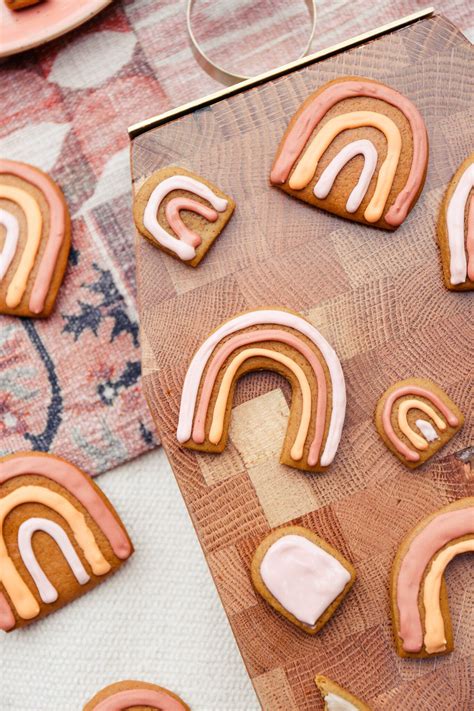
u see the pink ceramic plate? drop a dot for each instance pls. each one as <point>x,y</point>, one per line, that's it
<point>40,23</point>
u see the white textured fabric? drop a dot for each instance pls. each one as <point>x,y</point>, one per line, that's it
<point>158,619</point>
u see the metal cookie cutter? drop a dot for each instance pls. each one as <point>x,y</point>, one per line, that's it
<point>223,75</point>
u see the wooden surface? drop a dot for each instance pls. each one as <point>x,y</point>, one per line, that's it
<point>379,300</point>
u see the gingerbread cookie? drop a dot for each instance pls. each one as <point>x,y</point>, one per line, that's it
<point>60,536</point>
<point>355,148</point>
<point>267,339</point>
<point>301,576</point>
<point>336,698</point>
<point>456,229</point>
<point>36,240</point>
<point>401,420</point>
<point>419,598</point>
<point>131,694</point>
<point>181,213</point>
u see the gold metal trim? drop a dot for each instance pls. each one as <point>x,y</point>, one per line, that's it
<point>224,75</point>
<point>159,120</point>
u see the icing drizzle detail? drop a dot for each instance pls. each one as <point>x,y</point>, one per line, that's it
<point>306,167</point>
<point>266,317</point>
<point>10,222</point>
<point>409,454</point>
<point>47,591</point>
<point>300,132</point>
<point>58,220</point>
<point>459,266</point>
<point>185,246</point>
<point>326,181</point>
<point>445,528</point>
<point>156,699</point>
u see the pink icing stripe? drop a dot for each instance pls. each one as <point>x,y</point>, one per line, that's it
<point>7,619</point>
<point>310,117</point>
<point>470,240</point>
<point>76,483</point>
<point>140,697</point>
<point>254,337</point>
<point>57,228</point>
<point>408,453</point>
<point>172,211</point>
<point>440,531</point>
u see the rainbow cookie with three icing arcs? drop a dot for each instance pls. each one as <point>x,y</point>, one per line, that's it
<point>36,228</point>
<point>456,229</point>
<point>301,576</point>
<point>356,148</point>
<point>59,536</point>
<point>419,599</point>
<point>336,698</point>
<point>135,694</point>
<point>181,213</point>
<point>415,418</point>
<point>267,339</point>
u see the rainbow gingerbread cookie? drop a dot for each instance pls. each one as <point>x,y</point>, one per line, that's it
<point>336,698</point>
<point>415,418</point>
<point>57,527</point>
<point>36,240</point>
<point>181,213</point>
<point>130,694</point>
<point>301,576</point>
<point>355,148</point>
<point>420,607</point>
<point>267,339</point>
<point>456,229</point>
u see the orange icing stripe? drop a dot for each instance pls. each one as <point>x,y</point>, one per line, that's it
<point>253,337</point>
<point>217,425</point>
<point>403,409</point>
<point>58,219</point>
<point>434,639</point>
<point>34,222</point>
<point>17,590</point>
<point>7,618</point>
<point>400,446</point>
<point>306,167</point>
<point>304,125</point>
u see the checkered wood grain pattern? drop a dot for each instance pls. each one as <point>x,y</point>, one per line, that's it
<point>379,300</point>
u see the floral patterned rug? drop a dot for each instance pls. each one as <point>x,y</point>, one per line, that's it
<point>71,384</point>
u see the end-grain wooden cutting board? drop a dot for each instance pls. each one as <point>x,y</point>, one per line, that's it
<point>379,300</point>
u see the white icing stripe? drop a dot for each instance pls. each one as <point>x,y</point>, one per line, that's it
<point>304,578</point>
<point>334,702</point>
<point>254,318</point>
<point>12,227</point>
<point>455,226</point>
<point>326,181</point>
<point>427,430</point>
<point>47,592</point>
<point>150,216</point>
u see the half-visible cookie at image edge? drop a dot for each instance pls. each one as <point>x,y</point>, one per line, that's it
<point>59,537</point>
<point>356,148</point>
<point>419,600</point>
<point>301,576</point>
<point>336,698</point>
<point>130,694</point>
<point>456,229</point>
<point>181,213</point>
<point>415,418</point>
<point>36,228</point>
